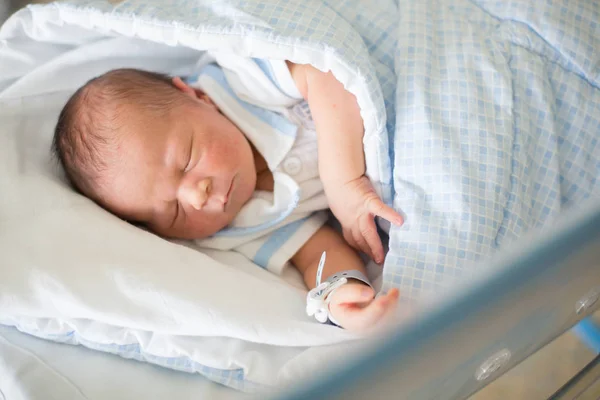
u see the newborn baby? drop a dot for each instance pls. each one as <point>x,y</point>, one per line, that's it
<point>181,158</point>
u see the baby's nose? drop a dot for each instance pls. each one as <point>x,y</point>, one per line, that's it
<point>197,194</point>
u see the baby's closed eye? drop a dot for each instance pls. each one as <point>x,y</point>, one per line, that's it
<point>190,157</point>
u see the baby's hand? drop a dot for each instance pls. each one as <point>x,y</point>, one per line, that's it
<point>355,204</point>
<point>354,307</point>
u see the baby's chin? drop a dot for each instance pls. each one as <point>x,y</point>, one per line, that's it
<point>189,234</point>
<point>194,229</point>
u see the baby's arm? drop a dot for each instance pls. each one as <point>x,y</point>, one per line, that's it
<point>340,132</point>
<point>353,305</point>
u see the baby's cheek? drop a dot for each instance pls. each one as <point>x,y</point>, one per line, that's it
<point>204,225</point>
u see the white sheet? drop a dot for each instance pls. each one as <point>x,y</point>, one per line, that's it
<point>34,369</point>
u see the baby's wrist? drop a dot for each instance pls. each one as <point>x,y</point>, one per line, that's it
<point>338,176</point>
<point>318,298</point>
<point>354,281</point>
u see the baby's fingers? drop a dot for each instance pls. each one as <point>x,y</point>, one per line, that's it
<point>352,293</point>
<point>360,319</point>
<point>389,315</point>
<point>349,238</point>
<point>372,239</point>
<point>377,207</point>
<point>356,241</point>
<point>362,243</point>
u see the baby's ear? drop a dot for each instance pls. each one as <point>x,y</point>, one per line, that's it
<point>206,99</point>
<point>184,87</point>
<point>194,93</point>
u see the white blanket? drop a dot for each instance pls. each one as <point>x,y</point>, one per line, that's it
<point>56,371</point>
<point>72,272</point>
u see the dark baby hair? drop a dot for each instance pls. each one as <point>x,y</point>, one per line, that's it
<point>89,128</point>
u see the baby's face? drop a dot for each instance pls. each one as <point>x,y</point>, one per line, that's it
<point>184,176</point>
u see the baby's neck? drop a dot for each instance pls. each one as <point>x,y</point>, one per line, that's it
<point>264,177</point>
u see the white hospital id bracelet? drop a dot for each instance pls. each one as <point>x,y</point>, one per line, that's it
<point>317,300</point>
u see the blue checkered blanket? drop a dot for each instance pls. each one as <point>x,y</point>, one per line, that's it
<point>496,128</point>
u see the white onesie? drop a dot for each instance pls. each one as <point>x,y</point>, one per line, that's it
<point>261,98</point>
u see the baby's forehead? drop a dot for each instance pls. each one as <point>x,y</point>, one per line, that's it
<point>135,115</point>
<point>124,89</point>
<point>137,168</point>
<point>147,138</point>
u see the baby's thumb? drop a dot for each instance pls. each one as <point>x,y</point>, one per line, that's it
<point>353,293</point>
